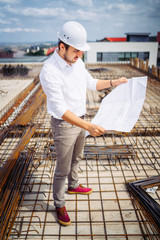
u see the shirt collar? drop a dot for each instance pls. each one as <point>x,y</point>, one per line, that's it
<point>62,63</point>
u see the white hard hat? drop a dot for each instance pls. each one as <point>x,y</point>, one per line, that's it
<point>75,35</point>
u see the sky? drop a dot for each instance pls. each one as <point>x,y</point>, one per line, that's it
<point>40,20</point>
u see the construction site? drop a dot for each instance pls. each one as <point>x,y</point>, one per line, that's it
<point>123,169</point>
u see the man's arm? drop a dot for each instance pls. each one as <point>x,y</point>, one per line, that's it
<point>102,84</point>
<point>93,129</point>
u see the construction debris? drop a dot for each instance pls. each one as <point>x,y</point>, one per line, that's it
<point>14,170</point>
<point>149,209</point>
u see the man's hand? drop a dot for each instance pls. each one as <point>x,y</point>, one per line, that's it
<point>95,130</point>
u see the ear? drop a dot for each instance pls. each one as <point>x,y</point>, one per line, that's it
<point>62,47</point>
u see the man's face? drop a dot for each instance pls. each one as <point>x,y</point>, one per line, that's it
<point>71,55</point>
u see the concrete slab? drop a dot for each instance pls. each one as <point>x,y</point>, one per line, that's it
<point>10,89</point>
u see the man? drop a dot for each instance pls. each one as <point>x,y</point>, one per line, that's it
<point>65,79</point>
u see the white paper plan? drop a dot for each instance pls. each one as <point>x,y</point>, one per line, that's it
<point>120,109</point>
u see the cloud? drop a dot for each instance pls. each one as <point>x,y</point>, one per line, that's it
<point>15,21</point>
<point>9,20</point>
<point>42,12</point>
<point>85,15</point>
<point>11,30</point>
<point>100,17</point>
<point>119,24</point>
<point>36,12</point>
<point>52,12</point>
<point>84,3</point>
<point>10,1</point>
<point>2,21</point>
<point>121,6</point>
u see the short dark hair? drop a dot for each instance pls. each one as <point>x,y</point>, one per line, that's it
<point>65,44</point>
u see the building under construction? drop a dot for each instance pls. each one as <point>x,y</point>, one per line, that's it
<point>123,169</point>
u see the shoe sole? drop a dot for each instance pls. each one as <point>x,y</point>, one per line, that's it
<point>84,193</point>
<point>64,223</point>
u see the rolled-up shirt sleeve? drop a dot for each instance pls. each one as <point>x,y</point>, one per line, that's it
<point>91,82</point>
<point>51,85</point>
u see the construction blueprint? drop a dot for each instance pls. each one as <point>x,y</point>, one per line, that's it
<point>120,109</point>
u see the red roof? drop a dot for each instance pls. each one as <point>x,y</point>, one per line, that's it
<point>118,39</point>
<point>50,50</point>
<point>158,37</point>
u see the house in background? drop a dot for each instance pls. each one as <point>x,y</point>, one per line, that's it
<point>6,53</point>
<point>50,50</point>
<point>111,50</point>
<point>115,39</point>
<point>158,57</point>
<point>138,37</point>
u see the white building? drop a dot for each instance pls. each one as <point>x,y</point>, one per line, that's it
<point>111,52</point>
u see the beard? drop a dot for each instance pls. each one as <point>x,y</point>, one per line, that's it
<point>69,60</point>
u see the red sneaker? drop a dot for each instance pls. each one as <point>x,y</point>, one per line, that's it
<point>80,189</point>
<point>62,216</point>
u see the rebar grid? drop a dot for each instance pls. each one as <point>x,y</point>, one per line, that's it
<point>107,213</point>
<point>108,163</point>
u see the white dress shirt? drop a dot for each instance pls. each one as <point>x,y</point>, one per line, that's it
<point>65,86</point>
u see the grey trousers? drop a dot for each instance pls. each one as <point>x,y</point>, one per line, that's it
<point>69,142</point>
